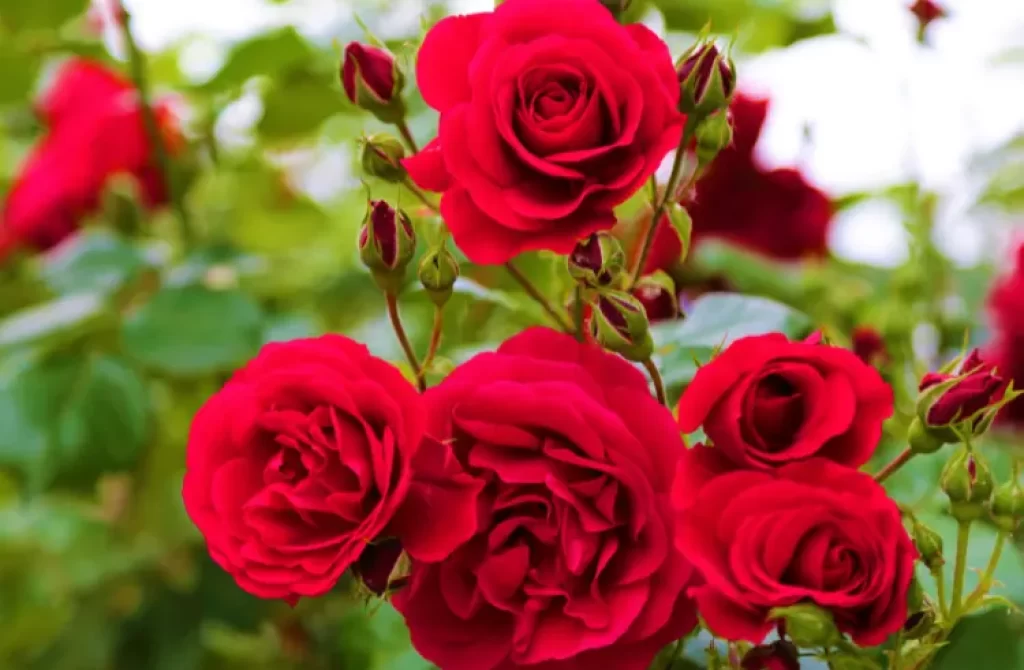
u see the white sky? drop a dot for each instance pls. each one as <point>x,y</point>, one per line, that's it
<point>880,107</point>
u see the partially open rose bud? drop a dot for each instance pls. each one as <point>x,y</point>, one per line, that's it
<point>382,158</point>
<point>619,323</point>
<point>597,260</point>
<point>967,481</point>
<point>779,655</point>
<point>373,81</point>
<point>657,293</point>
<point>387,243</point>
<point>438,273</point>
<point>707,78</point>
<point>958,402</point>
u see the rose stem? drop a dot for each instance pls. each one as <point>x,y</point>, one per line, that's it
<point>895,465</point>
<point>528,286</point>
<point>670,190</point>
<point>659,385</point>
<point>137,63</point>
<point>420,195</point>
<point>939,576</point>
<point>577,312</point>
<point>963,534</point>
<point>403,130</point>
<point>403,339</point>
<point>986,578</point>
<point>435,340</point>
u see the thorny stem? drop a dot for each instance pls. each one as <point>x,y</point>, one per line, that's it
<point>403,339</point>
<point>659,385</point>
<point>534,293</point>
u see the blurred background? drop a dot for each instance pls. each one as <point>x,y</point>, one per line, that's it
<point>110,340</point>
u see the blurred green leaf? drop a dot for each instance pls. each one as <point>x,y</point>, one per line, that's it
<point>296,104</point>
<point>69,418</point>
<point>717,320</point>
<point>993,637</point>
<point>95,260</point>
<point>20,70</point>
<point>263,55</point>
<point>54,323</point>
<point>20,15</point>
<point>758,24</point>
<point>192,330</point>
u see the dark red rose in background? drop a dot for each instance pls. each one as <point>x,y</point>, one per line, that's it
<point>95,133</point>
<point>299,462</point>
<point>777,212</point>
<point>980,389</point>
<point>552,113</point>
<point>766,401</point>
<point>570,564</point>
<point>869,346</point>
<point>1006,305</point>
<point>813,530</point>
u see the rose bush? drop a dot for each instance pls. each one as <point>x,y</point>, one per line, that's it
<point>766,401</point>
<point>299,461</point>
<point>551,115</point>
<point>570,563</point>
<point>809,531</point>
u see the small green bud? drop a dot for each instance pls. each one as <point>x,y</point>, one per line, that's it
<point>438,272</point>
<point>929,545</point>
<point>597,260</point>
<point>387,242</point>
<point>619,323</point>
<point>1008,506</point>
<point>713,135</point>
<point>382,158</point>
<point>808,625</point>
<point>967,481</point>
<point>922,440</point>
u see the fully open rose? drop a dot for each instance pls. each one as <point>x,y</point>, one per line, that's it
<point>300,461</point>
<point>813,531</point>
<point>571,562</point>
<point>551,114</point>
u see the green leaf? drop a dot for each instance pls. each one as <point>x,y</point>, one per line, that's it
<point>54,323</point>
<point>716,320</point>
<point>993,638</point>
<point>263,55</point>
<point>19,15</point>
<point>758,25</point>
<point>191,330</point>
<point>296,105</point>
<point>20,70</point>
<point>95,260</point>
<point>69,418</point>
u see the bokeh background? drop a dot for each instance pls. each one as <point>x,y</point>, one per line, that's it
<point>110,342</point>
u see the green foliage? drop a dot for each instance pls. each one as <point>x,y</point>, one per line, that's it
<point>16,15</point>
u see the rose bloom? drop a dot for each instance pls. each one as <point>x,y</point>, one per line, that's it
<point>1006,306</point>
<point>570,562</point>
<point>766,401</point>
<point>552,113</point>
<point>95,132</point>
<point>776,212</point>
<point>809,531</point>
<point>300,461</point>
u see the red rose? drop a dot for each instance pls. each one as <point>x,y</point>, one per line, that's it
<point>774,212</point>
<point>812,530</point>
<point>1006,304</point>
<point>95,133</point>
<point>552,113</point>
<point>766,401</point>
<point>981,388</point>
<point>300,461</point>
<point>570,564</point>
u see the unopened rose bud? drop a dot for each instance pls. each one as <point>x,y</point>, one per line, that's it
<point>928,544</point>
<point>779,655</point>
<point>382,158</point>
<point>122,206</point>
<point>1007,508</point>
<point>967,481</point>
<point>438,273</point>
<point>713,135</point>
<point>597,260</point>
<point>869,346</point>
<point>657,293</point>
<point>707,78</point>
<point>387,243</point>
<point>807,625</point>
<point>619,323</point>
<point>950,403</point>
<point>617,7</point>
<point>373,81</point>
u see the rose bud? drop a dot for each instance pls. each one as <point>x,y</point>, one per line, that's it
<point>373,81</point>
<point>967,481</point>
<point>438,273</point>
<point>1008,505</point>
<point>926,12</point>
<point>387,243</point>
<point>707,78</point>
<point>597,260</point>
<point>808,625</point>
<point>382,158</point>
<point>928,544</point>
<point>869,346</point>
<point>950,402</point>
<point>713,135</point>
<point>657,293</point>
<point>619,323</point>
<point>377,566</point>
<point>779,655</point>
